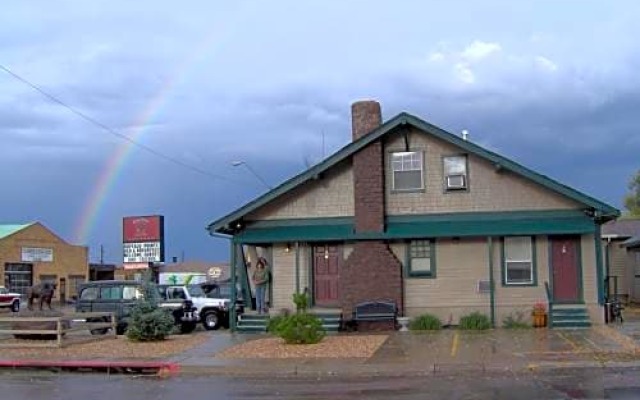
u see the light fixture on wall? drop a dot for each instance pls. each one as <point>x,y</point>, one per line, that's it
<point>287,248</point>
<point>326,252</point>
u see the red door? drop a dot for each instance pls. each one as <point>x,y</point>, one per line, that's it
<point>326,275</point>
<point>564,267</point>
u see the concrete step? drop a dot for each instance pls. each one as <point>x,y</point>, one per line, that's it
<point>570,324</point>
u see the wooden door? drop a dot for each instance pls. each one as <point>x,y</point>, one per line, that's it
<point>565,269</point>
<point>326,275</point>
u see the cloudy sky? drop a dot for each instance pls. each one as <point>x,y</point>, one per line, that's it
<point>550,84</point>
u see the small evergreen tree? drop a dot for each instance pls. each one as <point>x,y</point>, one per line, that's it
<point>149,322</point>
<point>299,328</point>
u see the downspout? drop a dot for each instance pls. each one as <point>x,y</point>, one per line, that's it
<point>492,300</point>
<point>598,244</point>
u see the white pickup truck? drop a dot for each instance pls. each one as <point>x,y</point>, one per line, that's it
<point>212,312</point>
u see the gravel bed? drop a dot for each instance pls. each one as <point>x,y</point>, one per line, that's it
<point>345,346</point>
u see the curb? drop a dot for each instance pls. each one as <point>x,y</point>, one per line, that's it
<point>109,367</point>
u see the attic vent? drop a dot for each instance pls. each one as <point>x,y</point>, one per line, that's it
<point>456,182</point>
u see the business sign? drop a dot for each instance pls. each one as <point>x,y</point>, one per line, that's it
<point>37,254</point>
<point>143,239</point>
<point>132,265</point>
<point>142,252</point>
<point>143,229</point>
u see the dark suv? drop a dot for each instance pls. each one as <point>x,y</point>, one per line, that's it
<point>119,297</point>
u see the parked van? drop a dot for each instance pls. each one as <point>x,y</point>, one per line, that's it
<point>119,297</point>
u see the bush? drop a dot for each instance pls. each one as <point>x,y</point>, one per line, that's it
<point>425,322</point>
<point>301,300</point>
<point>301,328</point>
<point>515,320</point>
<point>149,322</point>
<point>475,321</point>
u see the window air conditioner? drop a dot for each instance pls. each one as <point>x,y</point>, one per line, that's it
<point>456,182</point>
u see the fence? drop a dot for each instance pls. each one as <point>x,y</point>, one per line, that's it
<point>55,327</point>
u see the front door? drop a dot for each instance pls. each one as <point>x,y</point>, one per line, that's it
<point>326,275</point>
<point>565,269</point>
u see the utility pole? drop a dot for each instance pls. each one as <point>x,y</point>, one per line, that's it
<point>101,255</point>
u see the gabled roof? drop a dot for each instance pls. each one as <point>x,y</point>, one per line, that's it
<point>622,228</point>
<point>10,229</point>
<point>404,119</point>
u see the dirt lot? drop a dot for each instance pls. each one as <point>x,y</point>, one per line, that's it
<point>351,346</point>
<point>106,347</point>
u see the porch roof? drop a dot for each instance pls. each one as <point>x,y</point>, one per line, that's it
<point>433,226</point>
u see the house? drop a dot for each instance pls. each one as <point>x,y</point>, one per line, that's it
<point>31,253</point>
<point>621,258</point>
<point>435,223</point>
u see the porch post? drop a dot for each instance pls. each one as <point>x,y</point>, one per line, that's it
<point>598,244</point>
<point>234,295</point>
<point>297,267</point>
<point>492,300</point>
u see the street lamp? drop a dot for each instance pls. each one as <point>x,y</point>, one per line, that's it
<point>247,166</point>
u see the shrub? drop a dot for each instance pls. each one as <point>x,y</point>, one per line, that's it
<point>475,321</point>
<point>425,322</point>
<point>515,320</point>
<point>149,322</point>
<point>301,328</point>
<point>301,300</point>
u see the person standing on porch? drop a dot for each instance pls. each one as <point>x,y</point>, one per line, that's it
<point>260,280</point>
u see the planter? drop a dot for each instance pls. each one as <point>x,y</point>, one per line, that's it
<point>404,323</point>
<point>539,319</point>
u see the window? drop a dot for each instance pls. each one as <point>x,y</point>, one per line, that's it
<point>111,292</point>
<point>90,293</point>
<point>519,265</point>
<point>49,279</point>
<point>407,170</point>
<point>455,172</point>
<point>131,293</point>
<point>74,283</point>
<point>421,261</point>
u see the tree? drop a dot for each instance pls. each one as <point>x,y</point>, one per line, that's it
<point>632,199</point>
<point>149,321</point>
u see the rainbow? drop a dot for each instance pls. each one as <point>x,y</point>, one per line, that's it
<point>116,163</point>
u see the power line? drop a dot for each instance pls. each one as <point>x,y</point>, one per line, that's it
<point>106,128</point>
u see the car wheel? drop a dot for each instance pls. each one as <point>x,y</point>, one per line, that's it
<point>188,327</point>
<point>121,329</point>
<point>15,306</point>
<point>211,320</point>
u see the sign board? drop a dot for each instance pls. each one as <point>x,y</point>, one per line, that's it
<point>181,278</point>
<point>143,229</point>
<point>37,254</point>
<point>140,265</point>
<point>142,252</point>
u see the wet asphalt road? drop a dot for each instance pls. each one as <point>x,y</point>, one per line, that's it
<point>565,383</point>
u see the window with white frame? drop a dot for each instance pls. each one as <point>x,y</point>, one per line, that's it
<point>421,258</point>
<point>455,172</point>
<point>407,170</point>
<point>518,260</point>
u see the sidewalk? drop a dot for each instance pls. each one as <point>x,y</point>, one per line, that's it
<point>411,353</point>
<point>401,353</point>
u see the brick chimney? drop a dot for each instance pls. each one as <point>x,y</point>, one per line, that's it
<point>372,272</point>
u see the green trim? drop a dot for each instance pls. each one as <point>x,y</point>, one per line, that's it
<point>230,223</point>
<point>534,266</point>
<point>432,261</point>
<point>598,249</point>
<point>525,223</point>
<point>580,276</point>
<point>492,292</point>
